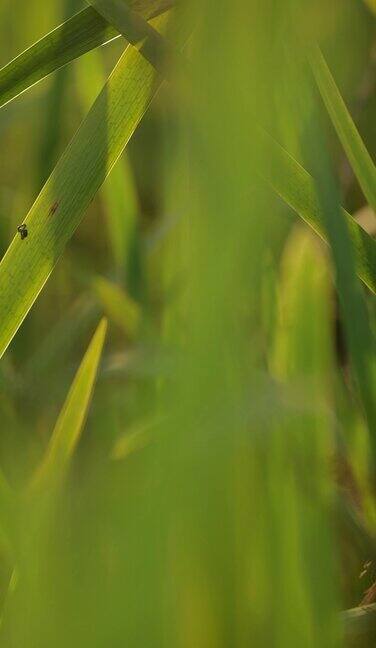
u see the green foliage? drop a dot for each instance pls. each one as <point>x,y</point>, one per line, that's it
<point>69,425</point>
<point>78,35</point>
<point>358,155</point>
<point>74,182</point>
<point>118,193</point>
<point>292,182</point>
<point>223,493</point>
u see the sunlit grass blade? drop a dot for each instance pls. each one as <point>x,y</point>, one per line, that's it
<point>303,342</point>
<point>297,188</point>
<point>304,360</point>
<point>72,417</point>
<point>118,193</point>
<point>136,30</point>
<point>78,35</point>
<point>352,142</point>
<point>72,185</point>
<point>351,246</point>
<point>358,334</point>
<point>120,200</point>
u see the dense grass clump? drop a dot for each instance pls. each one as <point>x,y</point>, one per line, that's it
<point>187,324</point>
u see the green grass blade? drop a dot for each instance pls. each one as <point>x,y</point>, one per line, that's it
<point>358,333</point>
<point>72,416</point>
<point>120,201</point>
<point>297,188</point>
<point>304,361</point>
<point>119,192</point>
<point>303,338</point>
<point>72,185</point>
<point>76,36</point>
<point>352,142</point>
<point>53,112</point>
<point>136,30</point>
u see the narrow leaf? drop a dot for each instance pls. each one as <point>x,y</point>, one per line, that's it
<point>353,144</point>
<point>76,36</point>
<point>303,340</point>
<point>358,333</point>
<point>297,188</point>
<point>73,415</point>
<point>136,30</point>
<point>118,193</point>
<point>72,185</point>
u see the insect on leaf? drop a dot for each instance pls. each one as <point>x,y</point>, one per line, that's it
<point>73,183</point>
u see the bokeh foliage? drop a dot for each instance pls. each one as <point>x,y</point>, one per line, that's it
<point>219,488</point>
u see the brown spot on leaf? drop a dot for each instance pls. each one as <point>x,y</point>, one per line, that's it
<point>53,208</point>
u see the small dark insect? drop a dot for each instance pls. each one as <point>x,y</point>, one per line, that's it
<point>22,229</point>
<point>53,208</point>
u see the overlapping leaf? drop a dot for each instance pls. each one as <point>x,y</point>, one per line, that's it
<point>76,36</point>
<point>72,185</point>
<point>352,142</point>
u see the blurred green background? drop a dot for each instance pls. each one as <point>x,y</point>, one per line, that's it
<point>220,494</point>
